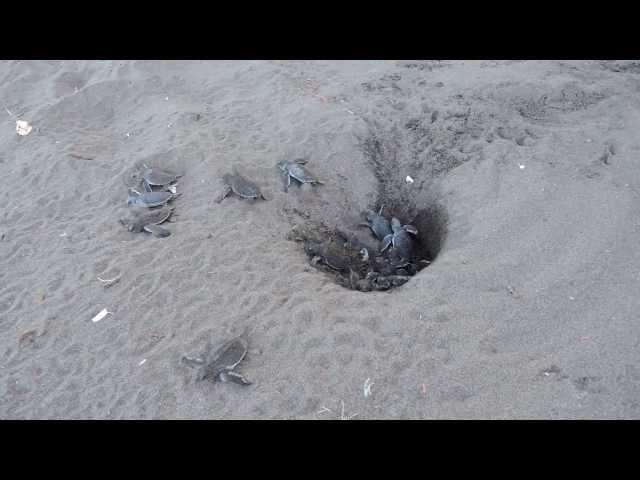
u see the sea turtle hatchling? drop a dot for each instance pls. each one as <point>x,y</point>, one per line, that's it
<point>295,169</point>
<point>378,224</point>
<point>154,177</point>
<point>150,199</point>
<point>220,364</point>
<point>241,186</point>
<point>400,238</point>
<point>149,221</point>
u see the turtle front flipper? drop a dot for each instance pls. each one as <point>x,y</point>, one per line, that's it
<point>388,240</point>
<point>286,178</point>
<point>192,361</point>
<point>234,377</point>
<point>157,230</point>
<point>225,193</point>
<point>411,229</point>
<point>146,186</point>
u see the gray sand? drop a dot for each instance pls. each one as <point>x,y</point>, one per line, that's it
<point>529,311</point>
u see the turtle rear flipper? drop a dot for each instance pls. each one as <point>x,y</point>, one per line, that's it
<point>157,230</point>
<point>411,229</point>
<point>234,377</point>
<point>388,240</point>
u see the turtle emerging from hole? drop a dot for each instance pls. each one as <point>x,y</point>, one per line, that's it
<point>378,224</point>
<point>236,183</point>
<point>148,220</point>
<point>400,239</point>
<point>220,364</point>
<point>295,169</point>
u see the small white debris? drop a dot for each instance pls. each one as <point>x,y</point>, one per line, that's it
<point>127,134</point>
<point>572,298</point>
<point>63,234</point>
<point>367,387</point>
<point>23,127</point>
<point>142,362</point>
<point>408,179</point>
<point>103,313</point>
<point>172,189</point>
<point>589,140</point>
<point>166,98</point>
<point>521,167</point>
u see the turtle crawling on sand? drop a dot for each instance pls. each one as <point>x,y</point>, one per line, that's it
<point>220,364</point>
<point>400,238</point>
<point>295,169</point>
<point>148,220</point>
<point>241,186</point>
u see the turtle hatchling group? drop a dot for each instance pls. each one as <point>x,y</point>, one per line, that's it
<point>387,261</point>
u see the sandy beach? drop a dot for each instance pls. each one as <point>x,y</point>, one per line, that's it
<point>526,190</point>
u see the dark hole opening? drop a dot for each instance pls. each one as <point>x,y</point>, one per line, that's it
<point>354,258</point>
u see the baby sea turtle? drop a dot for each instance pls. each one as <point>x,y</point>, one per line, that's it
<point>335,254</point>
<point>241,186</point>
<point>220,364</point>
<point>158,178</point>
<point>295,169</point>
<point>378,224</point>
<point>155,177</point>
<point>148,220</point>
<point>400,238</point>
<point>150,199</point>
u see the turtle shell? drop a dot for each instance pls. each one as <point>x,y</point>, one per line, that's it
<point>242,186</point>
<point>151,199</point>
<point>379,225</point>
<point>227,357</point>
<point>157,177</point>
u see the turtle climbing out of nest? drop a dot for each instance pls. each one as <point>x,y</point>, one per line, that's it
<point>238,184</point>
<point>378,224</point>
<point>400,239</point>
<point>295,169</point>
<point>220,364</point>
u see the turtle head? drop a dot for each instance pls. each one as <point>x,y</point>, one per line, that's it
<point>282,165</point>
<point>395,225</point>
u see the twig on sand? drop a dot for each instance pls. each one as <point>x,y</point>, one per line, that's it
<point>110,281</point>
<point>342,417</point>
<point>80,157</point>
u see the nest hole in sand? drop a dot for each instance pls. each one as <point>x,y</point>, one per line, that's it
<point>354,258</point>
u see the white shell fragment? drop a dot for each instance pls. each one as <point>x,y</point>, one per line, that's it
<point>23,127</point>
<point>367,387</point>
<point>142,362</point>
<point>408,179</point>
<point>103,313</point>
